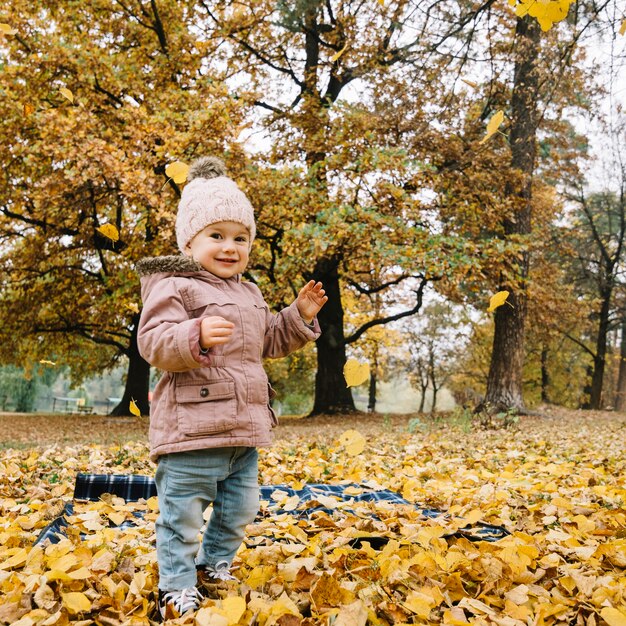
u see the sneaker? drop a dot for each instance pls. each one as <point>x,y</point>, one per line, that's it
<point>216,581</point>
<point>173,604</point>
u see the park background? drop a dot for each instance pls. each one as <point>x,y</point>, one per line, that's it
<point>419,158</point>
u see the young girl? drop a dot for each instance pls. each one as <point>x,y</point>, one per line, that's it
<point>209,331</point>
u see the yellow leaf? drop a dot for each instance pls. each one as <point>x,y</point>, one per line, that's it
<point>6,29</point>
<point>613,617</point>
<point>80,574</point>
<point>152,504</point>
<point>473,516</point>
<point>493,124</point>
<point>46,362</point>
<point>419,603</point>
<point>109,231</point>
<point>545,23</point>
<point>471,83</point>
<point>622,28</point>
<point>336,56</point>
<point>177,171</point>
<point>134,409</point>
<point>133,307</point>
<point>381,2</point>
<point>28,109</point>
<point>234,607</point>
<point>16,560</point>
<point>116,518</point>
<point>208,616</point>
<point>353,442</point>
<point>498,299</point>
<point>355,373</point>
<point>64,91</point>
<point>291,504</point>
<point>76,602</point>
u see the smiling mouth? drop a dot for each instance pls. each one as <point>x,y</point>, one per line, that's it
<point>229,261</point>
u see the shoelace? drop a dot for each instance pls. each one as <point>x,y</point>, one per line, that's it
<point>220,571</point>
<point>186,600</point>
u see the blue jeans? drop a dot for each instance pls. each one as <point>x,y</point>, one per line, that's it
<point>187,482</point>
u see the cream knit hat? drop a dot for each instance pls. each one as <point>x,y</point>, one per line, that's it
<point>210,197</point>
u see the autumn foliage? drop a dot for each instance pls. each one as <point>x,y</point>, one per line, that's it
<point>556,484</point>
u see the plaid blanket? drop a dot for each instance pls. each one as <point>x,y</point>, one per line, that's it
<point>91,487</point>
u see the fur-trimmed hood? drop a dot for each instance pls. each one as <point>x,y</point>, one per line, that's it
<point>173,264</point>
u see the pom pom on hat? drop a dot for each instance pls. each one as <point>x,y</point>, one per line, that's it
<point>206,167</point>
<point>210,197</point>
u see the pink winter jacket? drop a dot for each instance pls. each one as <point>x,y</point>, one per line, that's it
<point>221,398</point>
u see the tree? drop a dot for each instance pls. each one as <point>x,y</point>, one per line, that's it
<point>98,98</point>
<point>348,94</point>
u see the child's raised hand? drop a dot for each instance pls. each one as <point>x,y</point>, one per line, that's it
<point>214,330</point>
<point>310,300</point>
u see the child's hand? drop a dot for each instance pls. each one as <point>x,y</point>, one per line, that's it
<point>310,300</point>
<point>214,330</point>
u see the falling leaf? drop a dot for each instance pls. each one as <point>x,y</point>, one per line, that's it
<point>498,299</point>
<point>134,409</point>
<point>64,91</point>
<point>493,124</point>
<point>46,362</point>
<point>133,307</point>
<point>177,171</point>
<point>6,29</point>
<point>76,602</point>
<point>355,373</point>
<point>471,83</point>
<point>381,2</point>
<point>109,231</point>
<point>336,56</point>
<point>353,442</point>
<point>613,617</point>
<point>622,28</point>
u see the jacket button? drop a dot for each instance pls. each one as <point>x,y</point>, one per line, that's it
<point>204,392</point>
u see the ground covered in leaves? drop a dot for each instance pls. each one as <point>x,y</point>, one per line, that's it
<point>557,483</point>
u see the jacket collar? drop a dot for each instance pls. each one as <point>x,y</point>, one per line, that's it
<point>176,264</point>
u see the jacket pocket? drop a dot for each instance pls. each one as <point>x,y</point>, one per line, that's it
<point>206,408</point>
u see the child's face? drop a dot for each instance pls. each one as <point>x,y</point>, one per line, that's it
<point>222,248</point>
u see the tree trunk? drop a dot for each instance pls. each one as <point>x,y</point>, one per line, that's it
<point>137,379</point>
<point>332,395</point>
<point>545,376</point>
<point>504,382</point>
<point>432,374</point>
<point>371,403</point>
<point>599,361</point>
<point>620,394</point>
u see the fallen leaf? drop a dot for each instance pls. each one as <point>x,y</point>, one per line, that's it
<point>613,617</point>
<point>76,602</point>
<point>234,607</point>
